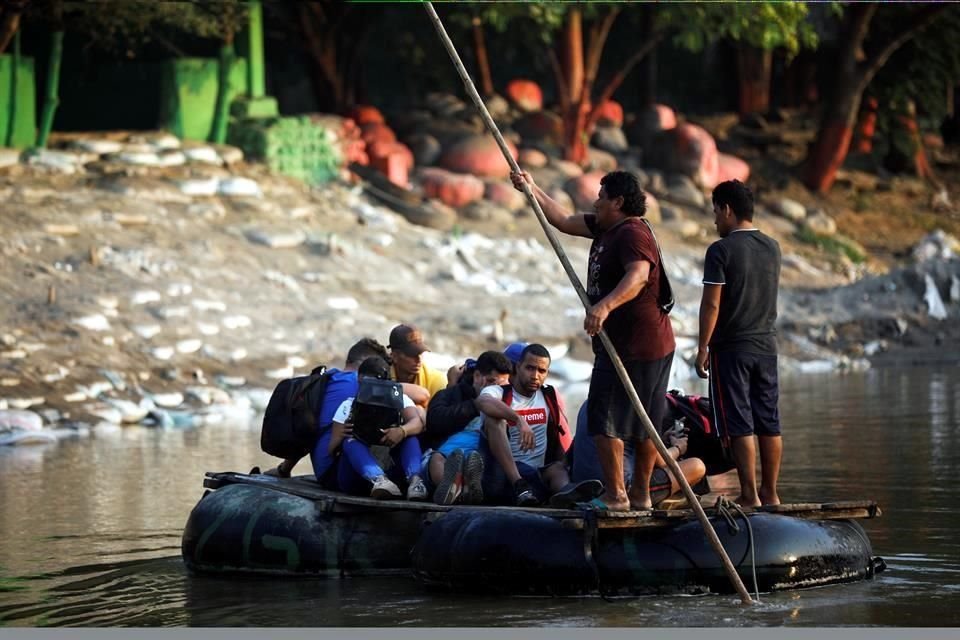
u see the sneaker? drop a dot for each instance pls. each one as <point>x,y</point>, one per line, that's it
<point>523,496</point>
<point>384,489</point>
<point>473,479</point>
<point>570,495</point>
<point>417,490</point>
<point>452,483</point>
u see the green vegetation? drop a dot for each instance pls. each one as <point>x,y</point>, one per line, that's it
<point>835,245</point>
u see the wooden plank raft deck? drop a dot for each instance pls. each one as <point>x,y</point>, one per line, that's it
<point>335,502</point>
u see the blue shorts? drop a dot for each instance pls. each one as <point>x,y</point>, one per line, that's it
<point>745,392</point>
<point>469,441</point>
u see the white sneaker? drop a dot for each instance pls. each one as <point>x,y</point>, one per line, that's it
<point>384,489</point>
<point>417,490</point>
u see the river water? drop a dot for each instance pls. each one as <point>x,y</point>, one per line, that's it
<point>90,528</point>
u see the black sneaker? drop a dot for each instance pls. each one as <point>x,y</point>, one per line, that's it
<point>570,495</point>
<point>450,486</point>
<point>472,479</point>
<point>523,496</point>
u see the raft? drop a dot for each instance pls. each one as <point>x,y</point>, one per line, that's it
<point>256,524</point>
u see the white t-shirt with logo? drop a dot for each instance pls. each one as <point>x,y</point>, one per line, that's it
<point>534,410</point>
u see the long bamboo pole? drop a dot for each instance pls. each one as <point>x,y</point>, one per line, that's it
<point>575,281</point>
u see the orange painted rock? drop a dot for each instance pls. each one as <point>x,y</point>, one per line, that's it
<point>452,189</point>
<point>385,149</point>
<point>583,189</point>
<point>478,156</point>
<point>377,132</point>
<point>366,114</point>
<point>532,158</point>
<point>525,94</point>
<point>731,168</point>
<point>502,193</point>
<point>610,114</point>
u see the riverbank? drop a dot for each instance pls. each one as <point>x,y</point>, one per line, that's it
<point>184,293</point>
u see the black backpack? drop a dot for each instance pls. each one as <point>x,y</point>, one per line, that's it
<point>290,422</point>
<point>377,406</point>
<point>703,439</point>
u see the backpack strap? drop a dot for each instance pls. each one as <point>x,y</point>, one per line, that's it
<point>557,419</point>
<point>665,300</point>
<point>507,394</point>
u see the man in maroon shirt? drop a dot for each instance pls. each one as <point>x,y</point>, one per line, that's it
<point>623,286</point>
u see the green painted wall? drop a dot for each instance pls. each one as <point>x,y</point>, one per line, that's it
<point>188,94</point>
<point>25,127</point>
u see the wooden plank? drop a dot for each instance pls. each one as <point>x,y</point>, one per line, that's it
<point>305,487</point>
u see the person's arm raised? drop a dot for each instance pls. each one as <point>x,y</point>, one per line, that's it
<point>571,224</point>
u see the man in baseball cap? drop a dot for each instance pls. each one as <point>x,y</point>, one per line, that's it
<point>406,350</point>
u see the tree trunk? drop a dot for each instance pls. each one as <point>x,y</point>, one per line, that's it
<point>14,81</point>
<point>51,97</point>
<point>572,51</point>
<point>483,62</point>
<point>850,79</point>
<point>9,24</point>
<point>754,66</point>
<point>221,114</point>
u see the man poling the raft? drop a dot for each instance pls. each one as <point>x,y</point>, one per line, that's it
<point>593,323</point>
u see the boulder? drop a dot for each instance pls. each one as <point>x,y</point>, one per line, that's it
<point>532,158</point>
<point>498,107</point>
<point>449,132</point>
<point>452,189</point>
<point>819,223</point>
<point>366,114</point>
<point>654,213</point>
<point>650,121</point>
<point>600,160</point>
<point>583,189</point>
<point>609,138</point>
<point>445,105</point>
<point>487,211</point>
<point>425,148</point>
<point>789,209</point>
<point>503,194</point>
<point>562,198</point>
<point>525,94</point>
<point>732,168</point>
<point>540,126</point>
<point>566,168</point>
<point>686,149</point>
<point>610,114</point>
<point>377,132</point>
<point>478,156</point>
<point>684,191</point>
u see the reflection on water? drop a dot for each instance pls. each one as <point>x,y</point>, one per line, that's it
<point>90,529</point>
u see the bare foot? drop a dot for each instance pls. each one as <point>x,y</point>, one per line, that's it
<point>747,502</point>
<point>613,503</point>
<point>768,497</point>
<point>640,503</point>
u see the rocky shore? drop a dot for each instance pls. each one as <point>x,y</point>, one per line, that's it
<point>147,281</point>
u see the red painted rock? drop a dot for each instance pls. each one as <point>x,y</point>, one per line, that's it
<point>377,132</point>
<point>610,114</point>
<point>583,189</point>
<point>540,125</point>
<point>525,94</point>
<point>452,189</point>
<point>532,158</point>
<point>503,194</point>
<point>478,156</point>
<point>932,141</point>
<point>688,150</point>
<point>366,114</point>
<point>730,168</point>
<point>384,149</point>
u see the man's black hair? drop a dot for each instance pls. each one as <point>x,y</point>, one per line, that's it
<point>366,348</point>
<point>626,185</point>
<point>535,349</point>
<point>374,367</point>
<point>490,361</point>
<point>737,195</point>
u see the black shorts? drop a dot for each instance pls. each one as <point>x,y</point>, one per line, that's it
<point>745,392</point>
<point>609,410</point>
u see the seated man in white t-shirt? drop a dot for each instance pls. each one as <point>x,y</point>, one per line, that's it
<point>523,438</point>
<point>359,472</point>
